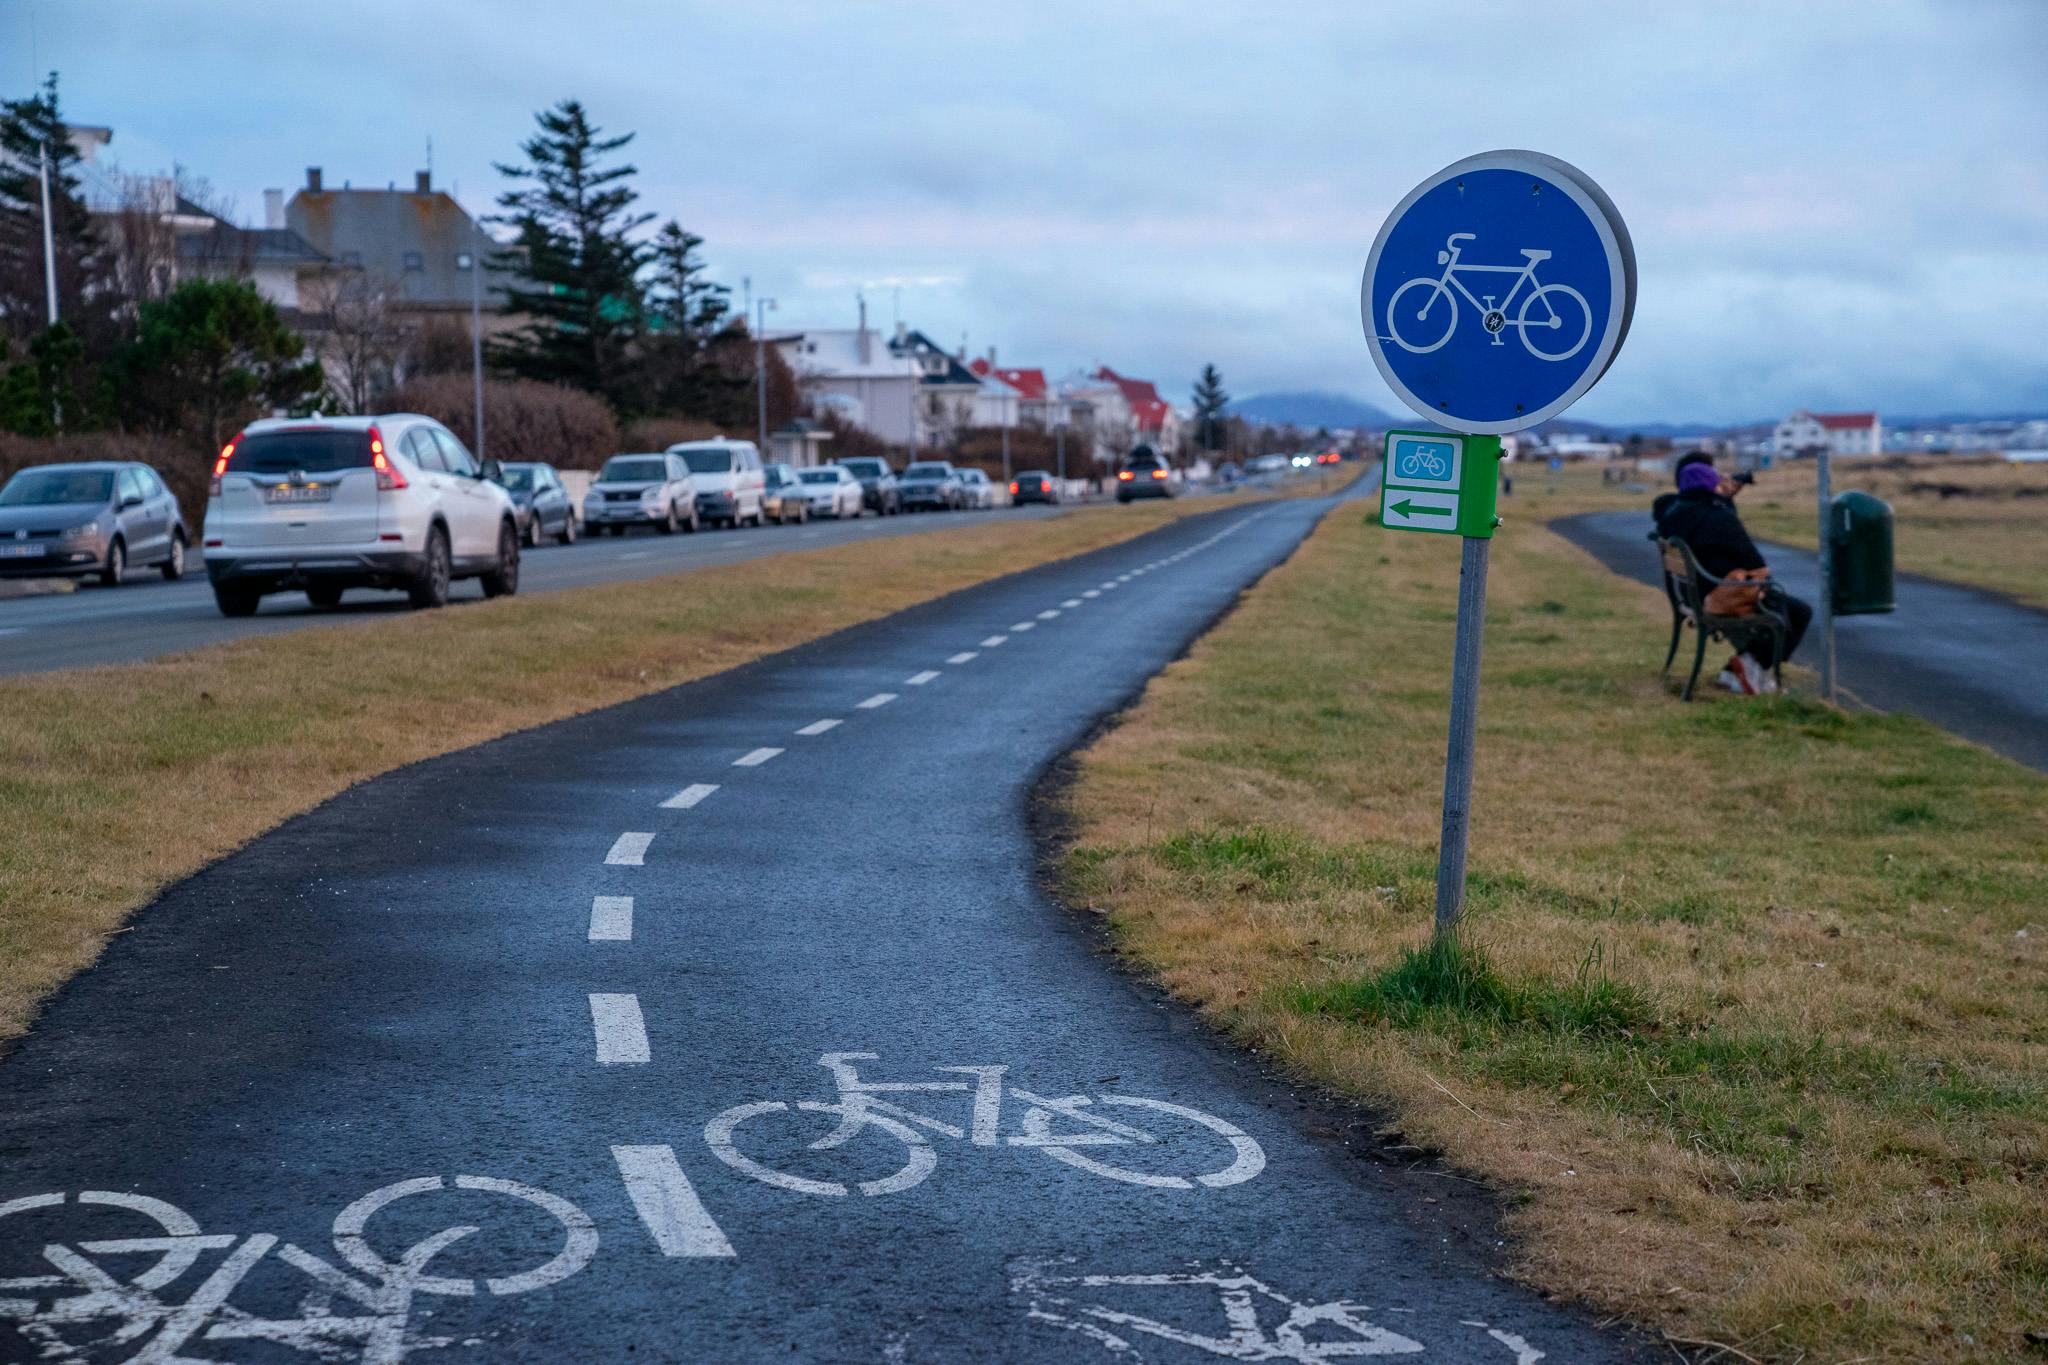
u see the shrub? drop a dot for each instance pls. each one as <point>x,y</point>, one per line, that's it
<point>523,419</point>
<point>659,433</point>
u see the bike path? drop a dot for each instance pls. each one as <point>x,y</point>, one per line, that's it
<point>1970,661</point>
<point>412,994</point>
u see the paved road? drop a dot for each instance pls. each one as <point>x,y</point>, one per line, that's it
<point>1971,662</point>
<point>148,616</point>
<point>728,1024</point>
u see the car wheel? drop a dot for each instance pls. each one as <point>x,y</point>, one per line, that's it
<point>236,601</point>
<point>430,588</point>
<point>174,567</point>
<point>533,531</point>
<point>116,567</point>
<point>568,536</point>
<point>324,595</point>
<point>669,525</point>
<point>503,579</point>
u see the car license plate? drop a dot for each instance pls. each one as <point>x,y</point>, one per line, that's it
<point>22,551</point>
<point>299,492</point>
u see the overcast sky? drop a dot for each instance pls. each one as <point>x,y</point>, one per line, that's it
<point>1833,205</point>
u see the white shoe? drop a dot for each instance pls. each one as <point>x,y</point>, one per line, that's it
<point>1731,682</point>
<point>1756,679</point>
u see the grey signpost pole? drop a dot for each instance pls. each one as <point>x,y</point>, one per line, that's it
<point>1824,487</point>
<point>1450,857</point>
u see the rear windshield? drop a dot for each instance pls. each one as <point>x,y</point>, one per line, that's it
<point>927,471</point>
<point>317,451</point>
<point>866,469</point>
<point>708,461</point>
<point>1031,478</point>
<point>819,475</point>
<point>638,469</point>
<point>47,487</point>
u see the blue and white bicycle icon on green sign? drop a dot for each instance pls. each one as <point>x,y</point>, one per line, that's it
<point>1554,321</point>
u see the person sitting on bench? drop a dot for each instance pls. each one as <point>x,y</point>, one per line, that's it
<point>1702,514</point>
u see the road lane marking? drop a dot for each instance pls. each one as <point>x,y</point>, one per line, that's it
<point>817,727</point>
<point>992,641</point>
<point>629,850</point>
<point>611,919</point>
<point>964,656</point>
<point>1073,602</point>
<point>1049,613</point>
<point>755,759</point>
<point>1093,592</point>
<point>668,1204</point>
<point>638,554</point>
<point>689,796</point>
<point>1123,578</point>
<point>621,1032</point>
<point>879,699</point>
<point>920,679</point>
<point>1023,626</point>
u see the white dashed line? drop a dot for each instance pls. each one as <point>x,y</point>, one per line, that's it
<point>689,796</point>
<point>1023,626</point>
<point>920,679</point>
<point>638,554</point>
<point>1049,613</point>
<point>629,850</point>
<point>621,1032</point>
<point>667,1204</point>
<point>879,699</point>
<point>817,727</point>
<point>1073,602</point>
<point>755,759</point>
<point>611,919</point>
<point>1123,578</point>
<point>963,656</point>
<point>992,641</point>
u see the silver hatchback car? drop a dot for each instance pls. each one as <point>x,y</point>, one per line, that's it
<point>98,519</point>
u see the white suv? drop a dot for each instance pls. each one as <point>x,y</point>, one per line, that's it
<point>731,484</point>
<point>325,504</point>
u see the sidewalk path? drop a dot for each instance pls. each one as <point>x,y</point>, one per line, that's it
<point>1970,661</point>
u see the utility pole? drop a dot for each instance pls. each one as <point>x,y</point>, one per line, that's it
<point>1059,436</point>
<point>1824,487</point>
<point>49,238</point>
<point>762,307</point>
<point>476,336</point>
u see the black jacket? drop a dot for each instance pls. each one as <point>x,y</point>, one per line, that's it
<point>1707,523</point>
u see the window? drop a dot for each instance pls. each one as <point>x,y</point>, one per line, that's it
<point>131,486</point>
<point>313,450</point>
<point>419,447</point>
<point>152,486</point>
<point>459,460</point>
<point>415,261</point>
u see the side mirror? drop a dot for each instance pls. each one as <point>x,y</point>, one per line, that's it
<point>130,501</point>
<point>493,471</point>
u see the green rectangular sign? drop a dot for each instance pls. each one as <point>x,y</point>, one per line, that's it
<point>1434,481</point>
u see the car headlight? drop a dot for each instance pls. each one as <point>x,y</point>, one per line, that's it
<point>651,495</point>
<point>84,530</point>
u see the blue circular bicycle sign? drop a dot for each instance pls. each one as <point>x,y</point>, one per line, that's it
<point>1498,292</point>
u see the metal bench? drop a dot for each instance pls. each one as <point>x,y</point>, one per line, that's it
<point>1686,585</point>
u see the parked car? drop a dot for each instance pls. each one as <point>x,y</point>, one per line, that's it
<point>1228,472</point>
<point>831,490</point>
<point>729,480</point>
<point>1143,475</point>
<point>1033,485</point>
<point>877,483</point>
<point>66,520</point>
<point>329,504</point>
<point>930,483</point>
<point>782,495</point>
<point>977,490</point>
<point>543,503</point>
<point>655,490</point>
<point>1268,464</point>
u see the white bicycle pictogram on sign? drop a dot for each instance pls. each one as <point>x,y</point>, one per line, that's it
<point>1557,313</point>
<point>83,1313</point>
<point>1221,1154</point>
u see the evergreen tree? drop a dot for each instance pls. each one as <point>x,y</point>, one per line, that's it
<point>29,128</point>
<point>1210,401</point>
<point>210,355</point>
<point>689,319</point>
<point>52,390</point>
<point>575,244</point>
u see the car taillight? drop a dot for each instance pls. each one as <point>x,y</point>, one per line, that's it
<point>220,466</point>
<point>1125,474</point>
<point>1158,473</point>
<point>389,480</point>
<point>1013,489</point>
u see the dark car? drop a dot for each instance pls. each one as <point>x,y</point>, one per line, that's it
<point>1033,485</point>
<point>99,518</point>
<point>782,495</point>
<point>878,487</point>
<point>1143,475</point>
<point>544,505</point>
<point>931,483</point>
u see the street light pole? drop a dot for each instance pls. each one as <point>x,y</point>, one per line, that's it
<point>49,238</point>
<point>476,337</point>
<point>762,307</point>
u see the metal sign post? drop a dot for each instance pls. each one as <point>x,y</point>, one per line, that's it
<point>1824,486</point>
<point>1497,293</point>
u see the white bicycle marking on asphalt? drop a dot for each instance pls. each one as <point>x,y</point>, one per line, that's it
<point>920,679</point>
<point>620,1030</point>
<point>879,699</point>
<point>856,1109</point>
<point>689,796</point>
<point>611,919</point>
<point>818,727</point>
<point>629,850</point>
<point>668,1204</point>
<point>755,758</point>
<point>59,1325</point>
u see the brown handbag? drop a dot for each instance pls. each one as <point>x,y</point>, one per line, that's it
<point>1739,594</point>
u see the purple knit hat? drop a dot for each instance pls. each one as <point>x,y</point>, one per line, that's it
<point>1698,476</point>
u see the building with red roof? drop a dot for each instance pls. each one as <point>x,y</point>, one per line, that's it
<point>1841,433</point>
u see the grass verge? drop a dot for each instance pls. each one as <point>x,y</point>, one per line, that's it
<point>117,781</point>
<point>1751,1013</point>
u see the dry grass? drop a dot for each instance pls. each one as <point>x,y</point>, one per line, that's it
<point>1991,530</point>
<point>117,781</point>
<point>1761,1055</point>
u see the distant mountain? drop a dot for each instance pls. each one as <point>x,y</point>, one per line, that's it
<point>1309,410</point>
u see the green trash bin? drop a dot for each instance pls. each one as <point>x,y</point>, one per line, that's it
<point>1860,541</point>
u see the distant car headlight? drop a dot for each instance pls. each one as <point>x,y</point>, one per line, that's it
<point>84,530</point>
<point>651,495</point>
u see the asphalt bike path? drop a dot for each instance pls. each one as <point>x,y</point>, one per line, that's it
<point>730,1024</point>
<point>1970,661</point>
<point>148,616</point>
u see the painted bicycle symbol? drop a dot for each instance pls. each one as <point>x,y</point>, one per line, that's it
<point>82,1312</point>
<point>1185,1147</point>
<point>1554,320</point>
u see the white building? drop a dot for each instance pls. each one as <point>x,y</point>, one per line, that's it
<point>1840,433</point>
<point>852,371</point>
